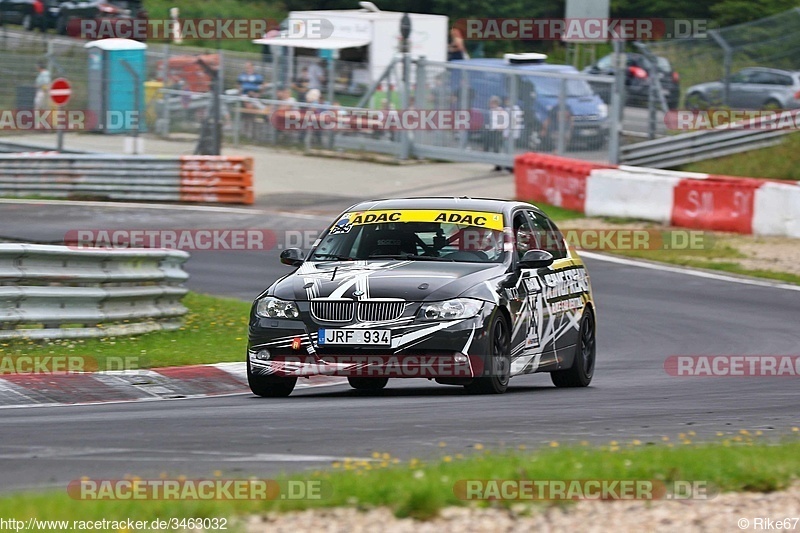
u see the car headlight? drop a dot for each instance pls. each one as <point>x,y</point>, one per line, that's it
<point>274,308</point>
<point>602,110</point>
<point>450,309</point>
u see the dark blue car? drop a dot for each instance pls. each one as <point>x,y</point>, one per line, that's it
<point>538,98</point>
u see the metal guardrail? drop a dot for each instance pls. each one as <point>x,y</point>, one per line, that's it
<point>695,146</point>
<point>58,292</point>
<point>177,179</point>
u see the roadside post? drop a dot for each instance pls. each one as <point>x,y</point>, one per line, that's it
<point>60,93</point>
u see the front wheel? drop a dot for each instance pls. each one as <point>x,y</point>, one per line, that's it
<point>269,386</point>
<point>499,361</point>
<point>367,383</point>
<point>582,370</point>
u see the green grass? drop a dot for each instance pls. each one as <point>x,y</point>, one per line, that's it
<point>420,489</point>
<point>214,331</point>
<point>776,162</point>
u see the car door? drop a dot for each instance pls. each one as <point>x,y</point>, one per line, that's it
<point>530,348</point>
<point>742,90</point>
<point>562,283</point>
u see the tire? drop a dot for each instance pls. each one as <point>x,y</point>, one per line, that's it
<point>582,370</point>
<point>368,383</point>
<point>696,101</point>
<point>771,105</point>
<point>497,382</point>
<point>270,386</point>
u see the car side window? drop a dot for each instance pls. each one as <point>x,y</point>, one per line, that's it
<point>524,237</point>
<point>605,63</point>
<point>550,237</point>
<point>743,76</point>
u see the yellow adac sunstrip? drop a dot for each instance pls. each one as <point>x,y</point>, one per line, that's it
<point>480,219</point>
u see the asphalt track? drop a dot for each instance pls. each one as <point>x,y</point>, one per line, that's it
<point>645,315</point>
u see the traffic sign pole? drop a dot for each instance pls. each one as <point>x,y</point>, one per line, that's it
<point>60,93</point>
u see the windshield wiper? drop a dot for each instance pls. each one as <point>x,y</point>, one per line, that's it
<point>411,257</point>
<point>335,256</point>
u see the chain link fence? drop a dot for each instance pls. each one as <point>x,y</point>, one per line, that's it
<point>510,110</point>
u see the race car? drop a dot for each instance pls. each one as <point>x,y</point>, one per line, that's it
<point>463,291</point>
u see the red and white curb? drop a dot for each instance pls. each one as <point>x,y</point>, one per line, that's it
<point>683,199</point>
<point>196,381</point>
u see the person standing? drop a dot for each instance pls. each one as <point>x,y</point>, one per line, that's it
<point>249,81</point>
<point>316,76</point>
<point>455,46</point>
<point>43,81</point>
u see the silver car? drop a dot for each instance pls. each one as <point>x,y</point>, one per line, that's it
<point>750,88</point>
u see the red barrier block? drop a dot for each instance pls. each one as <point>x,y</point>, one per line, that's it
<point>554,180</point>
<point>716,203</point>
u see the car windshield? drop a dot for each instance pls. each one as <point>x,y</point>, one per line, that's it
<point>471,237</point>
<point>552,87</point>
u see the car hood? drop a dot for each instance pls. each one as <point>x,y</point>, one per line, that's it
<point>409,280</point>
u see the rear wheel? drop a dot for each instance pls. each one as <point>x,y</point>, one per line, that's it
<point>368,383</point>
<point>269,386</point>
<point>499,361</point>
<point>771,105</point>
<point>582,370</point>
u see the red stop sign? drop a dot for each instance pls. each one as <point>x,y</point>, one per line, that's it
<point>60,91</point>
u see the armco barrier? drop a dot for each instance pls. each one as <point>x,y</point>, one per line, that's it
<point>556,180</point>
<point>722,203</point>
<point>61,292</point>
<point>216,179</point>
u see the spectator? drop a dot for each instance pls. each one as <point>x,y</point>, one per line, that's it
<point>316,76</point>
<point>493,134</point>
<point>249,81</point>
<point>516,125</point>
<point>313,97</point>
<point>301,84</point>
<point>42,87</point>
<point>455,46</point>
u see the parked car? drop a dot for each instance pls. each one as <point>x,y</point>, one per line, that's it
<point>750,88</point>
<point>538,98</point>
<point>71,12</point>
<point>638,79</point>
<point>30,14</point>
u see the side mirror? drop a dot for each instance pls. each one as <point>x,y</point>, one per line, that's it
<point>292,257</point>
<point>536,259</point>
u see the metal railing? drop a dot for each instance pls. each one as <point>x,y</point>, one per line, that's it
<point>694,146</point>
<point>114,177</point>
<point>59,292</point>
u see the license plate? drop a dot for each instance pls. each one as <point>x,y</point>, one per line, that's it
<point>587,133</point>
<point>354,337</point>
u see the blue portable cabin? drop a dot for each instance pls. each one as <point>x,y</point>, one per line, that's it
<point>117,70</point>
